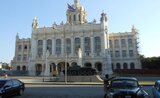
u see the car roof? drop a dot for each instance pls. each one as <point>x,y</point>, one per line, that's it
<point>6,79</point>
<point>125,78</point>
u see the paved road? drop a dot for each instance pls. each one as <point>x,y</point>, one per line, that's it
<point>66,91</point>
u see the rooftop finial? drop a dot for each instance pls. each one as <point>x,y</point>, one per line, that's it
<point>76,3</point>
<point>35,23</point>
<point>133,28</point>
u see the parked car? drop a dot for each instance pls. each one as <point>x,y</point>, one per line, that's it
<point>156,89</point>
<point>11,87</point>
<point>125,87</point>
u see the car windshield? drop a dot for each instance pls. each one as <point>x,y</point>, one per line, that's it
<point>124,84</point>
<point>2,83</point>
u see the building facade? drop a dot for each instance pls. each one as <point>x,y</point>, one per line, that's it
<point>124,50</point>
<point>22,53</point>
<point>76,42</point>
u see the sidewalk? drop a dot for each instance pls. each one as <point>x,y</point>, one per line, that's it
<point>47,81</point>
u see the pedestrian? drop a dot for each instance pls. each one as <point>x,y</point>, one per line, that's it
<point>5,75</point>
<point>106,82</point>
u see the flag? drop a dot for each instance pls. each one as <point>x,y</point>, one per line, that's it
<point>70,8</point>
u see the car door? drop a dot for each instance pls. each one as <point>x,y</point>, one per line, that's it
<point>156,90</point>
<point>16,86</point>
<point>7,89</point>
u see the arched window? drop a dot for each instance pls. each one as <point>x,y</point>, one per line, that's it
<point>68,46</point>
<point>49,45</point>
<point>18,68</point>
<point>77,44</point>
<point>40,48</point>
<point>125,66</point>
<point>58,46</point>
<point>118,66</point>
<point>132,65</point>
<point>97,42</point>
<point>87,46</point>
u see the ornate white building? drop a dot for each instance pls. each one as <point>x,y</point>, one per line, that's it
<point>76,42</point>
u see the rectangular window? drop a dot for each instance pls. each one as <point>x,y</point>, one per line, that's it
<point>131,53</point>
<point>24,57</point>
<point>130,43</point>
<point>117,54</point>
<point>116,43</point>
<point>25,47</point>
<point>110,44</point>
<point>111,53</point>
<point>124,53</point>
<point>19,47</point>
<point>123,43</point>
<point>19,58</point>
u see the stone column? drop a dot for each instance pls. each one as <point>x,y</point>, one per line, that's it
<point>44,48</point>
<point>22,52</point>
<point>46,72</point>
<point>53,46</point>
<point>82,45</point>
<point>63,47</point>
<point>92,46</point>
<point>72,46</point>
<point>33,48</point>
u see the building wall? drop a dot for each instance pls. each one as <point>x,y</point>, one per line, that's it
<point>22,53</point>
<point>124,50</point>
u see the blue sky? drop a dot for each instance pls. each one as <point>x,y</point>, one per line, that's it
<point>17,15</point>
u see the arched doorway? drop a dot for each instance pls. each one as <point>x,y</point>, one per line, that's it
<point>125,66</point>
<point>24,68</point>
<point>87,64</point>
<point>38,69</point>
<point>61,67</point>
<point>18,68</point>
<point>53,69</point>
<point>74,64</point>
<point>98,66</point>
<point>118,66</point>
<point>132,65</point>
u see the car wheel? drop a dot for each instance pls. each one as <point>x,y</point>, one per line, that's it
<point>20,92</point>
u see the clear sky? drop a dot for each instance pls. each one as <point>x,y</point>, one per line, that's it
<point>17,15</point>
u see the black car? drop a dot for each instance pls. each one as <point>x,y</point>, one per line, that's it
<point>156,89</point>
<point>10,87</point>
<point>125,87</point>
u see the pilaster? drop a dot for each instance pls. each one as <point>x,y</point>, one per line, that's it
<point>44,48</point>
<point>53,46</point>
